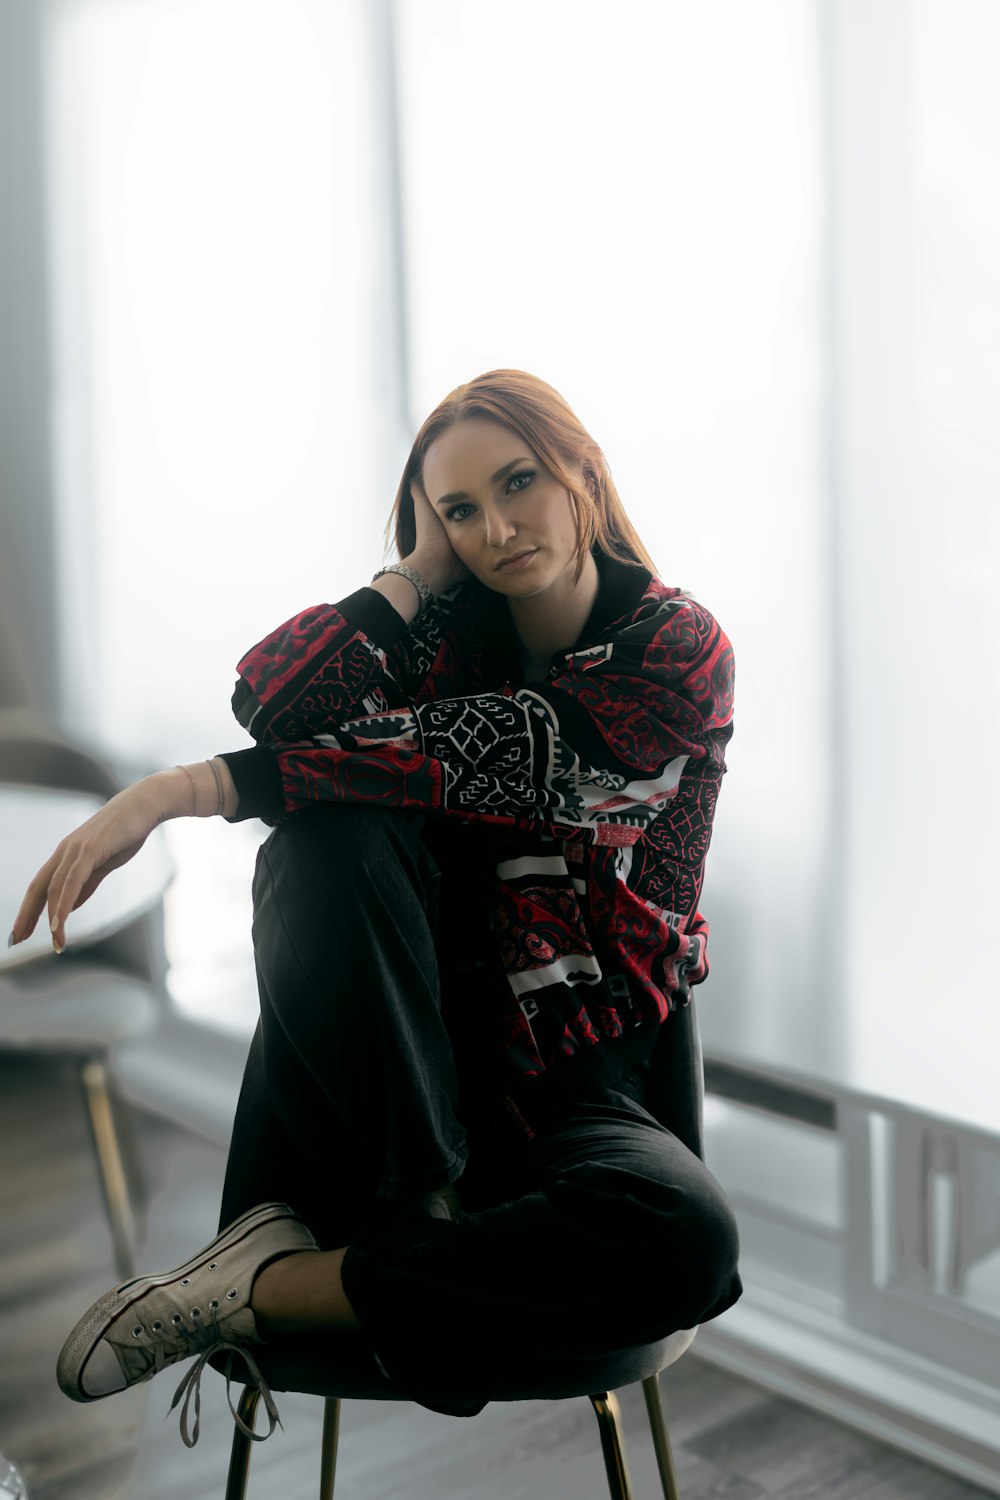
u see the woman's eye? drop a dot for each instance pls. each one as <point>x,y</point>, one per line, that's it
<point>452,513</point>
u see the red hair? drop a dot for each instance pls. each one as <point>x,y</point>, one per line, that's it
<point>538,414</point>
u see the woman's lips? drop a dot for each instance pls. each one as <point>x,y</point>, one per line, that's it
<point>520,561</point>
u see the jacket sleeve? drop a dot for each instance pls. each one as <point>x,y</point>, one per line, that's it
<point>323,666</point>
<point>593,754</point>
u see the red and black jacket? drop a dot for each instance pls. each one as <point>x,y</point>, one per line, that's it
<point>594,790</point>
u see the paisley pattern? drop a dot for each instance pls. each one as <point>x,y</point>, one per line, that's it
<point>606,778</point>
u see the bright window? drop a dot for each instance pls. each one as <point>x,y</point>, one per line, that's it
<point>227,448</point>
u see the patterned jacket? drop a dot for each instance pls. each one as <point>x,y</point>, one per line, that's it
<point>596,788</point>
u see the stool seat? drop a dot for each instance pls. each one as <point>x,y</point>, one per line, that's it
<point>342,1365</point>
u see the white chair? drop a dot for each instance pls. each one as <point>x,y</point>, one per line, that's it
<point>83,1002</point>
<point>81,1011</point>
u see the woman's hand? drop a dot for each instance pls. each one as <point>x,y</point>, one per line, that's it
<point>433,555</point>
<point>71,875</point>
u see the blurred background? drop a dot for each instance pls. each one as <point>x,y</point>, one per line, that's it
<point>246,245</point>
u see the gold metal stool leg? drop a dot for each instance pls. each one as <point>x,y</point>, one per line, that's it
<point>605,1404</point>
<point>239,1459</point>
<point>331,1432</point>
<point>661,1441</point>
<point>109,1164</point>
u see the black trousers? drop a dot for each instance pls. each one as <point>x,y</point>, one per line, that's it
<point>602,1232</point>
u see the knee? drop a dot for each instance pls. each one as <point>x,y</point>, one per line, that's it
<point>673,1231</point>
<point>331,868</point>
<point>339,845</point>
<point>708,1251</point>
<point>340,826</point>
<point>684,1239</point>
<point>690,1262</point>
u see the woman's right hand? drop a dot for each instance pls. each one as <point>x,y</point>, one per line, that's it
<point>433,555</point>
<point>80,861</point>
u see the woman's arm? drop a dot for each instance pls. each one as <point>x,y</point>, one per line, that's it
<point>330,662</point>
<point>117,832</point>
<point>595,753</point>
<point>114,835</point>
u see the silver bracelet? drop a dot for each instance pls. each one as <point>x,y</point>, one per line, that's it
<point>426,597</point>
<point>218,787</point>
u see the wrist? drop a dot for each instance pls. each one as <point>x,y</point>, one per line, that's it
<point>196,790</point>
<point>437,572</point>
<point>171,791</point>
<point>425,596</point>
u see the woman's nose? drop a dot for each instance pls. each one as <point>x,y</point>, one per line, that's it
<point>499,528</point>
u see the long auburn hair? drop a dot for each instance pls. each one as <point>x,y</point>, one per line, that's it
<point>546,422</point>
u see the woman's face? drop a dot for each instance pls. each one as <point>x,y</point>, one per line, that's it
<point>496,502</point>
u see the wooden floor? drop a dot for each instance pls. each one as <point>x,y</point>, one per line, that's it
<point>732,1441</point>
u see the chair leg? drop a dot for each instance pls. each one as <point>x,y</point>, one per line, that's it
<point>331,1432</point>
<point>661,1441</point>
<point>239,1459</point>
<point>605,1404</point>
<point>109,1165</point>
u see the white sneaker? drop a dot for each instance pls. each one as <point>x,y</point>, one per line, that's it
<point>202,1307</point>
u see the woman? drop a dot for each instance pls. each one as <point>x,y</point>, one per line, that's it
<point>491,776</point>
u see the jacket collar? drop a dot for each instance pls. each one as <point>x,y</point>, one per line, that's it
<point>620,588</point>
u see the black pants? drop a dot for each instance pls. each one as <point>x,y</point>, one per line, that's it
<point>602,1232</point>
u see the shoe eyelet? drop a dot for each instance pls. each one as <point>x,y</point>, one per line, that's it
<point>234,1293</point>
<point>196,1312</point>
<point>137,1331</point>
<point>212,1265</point>
<point>157,1326</point>
<point>185,1281</point>
<point>176,1318</point>
<point>214,1303</point>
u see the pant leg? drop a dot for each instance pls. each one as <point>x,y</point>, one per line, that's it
<point>615,1235</point>
<point>350,1089</point>
<point>603,1232</point>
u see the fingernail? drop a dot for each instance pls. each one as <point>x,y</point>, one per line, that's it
<point>58,946</point>
<point>11,940</point>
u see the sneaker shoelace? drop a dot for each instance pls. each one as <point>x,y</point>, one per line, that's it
<point>210,1340</point>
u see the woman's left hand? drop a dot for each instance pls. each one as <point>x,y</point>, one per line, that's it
<point>433,555</point>
<point>110,838</point>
